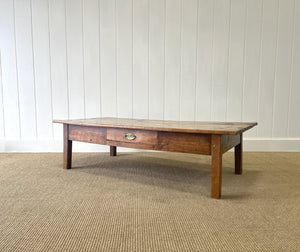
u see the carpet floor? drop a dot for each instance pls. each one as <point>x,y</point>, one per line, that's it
<point>149,201</point>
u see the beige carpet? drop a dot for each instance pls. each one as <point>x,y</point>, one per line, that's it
<point>148,202</point>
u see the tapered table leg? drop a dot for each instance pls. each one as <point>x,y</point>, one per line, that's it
<point>216,166</point>
<point>238,157</point>
<point>113,151</point>
<point>67,155</point>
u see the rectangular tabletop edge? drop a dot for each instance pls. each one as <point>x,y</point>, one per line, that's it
<point>199,131</point>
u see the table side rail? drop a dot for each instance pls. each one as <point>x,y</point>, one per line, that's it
<point>151,140</point>
<point>87,134</point>
<point>185,142</point>
<point>229,141</point>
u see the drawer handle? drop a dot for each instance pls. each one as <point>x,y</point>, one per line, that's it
<point>130,136</point>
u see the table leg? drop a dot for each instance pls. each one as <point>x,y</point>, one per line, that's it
<point>67,156</point>
<point>216,166</point>
<point>238,157</point>
<point>113,151</point>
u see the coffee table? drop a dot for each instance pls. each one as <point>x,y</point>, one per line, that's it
<point>207,138</point>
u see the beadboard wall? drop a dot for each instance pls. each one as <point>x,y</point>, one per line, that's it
<point>219,60</point>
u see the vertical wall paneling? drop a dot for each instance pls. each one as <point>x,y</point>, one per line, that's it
<point>156,58</point>
<point>294,118</point>
<point>40,32</point>
<point>24,48</point>
<point>74,31</point>
<point>172,60</point>
<point>140,58</point>
<point>267,72</point>
<point>188,59</point>
<point>108,58</point>
<point>220,59</point>
<point>252,62</point>
<point>204,60</point>
<point>124,57</point>
<point>9,77</point>
<point>283,68</point>
<point>2,127</point>
<point>91,57</point>
<point>236,60</point>
<point>58,60</point>
<point>229,60</point>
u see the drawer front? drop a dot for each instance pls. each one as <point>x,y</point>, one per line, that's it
<point>184,142</point>
<point>132,136</point>
<point>87,134</point>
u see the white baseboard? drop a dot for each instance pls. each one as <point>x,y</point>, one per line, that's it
<point>272,144</point>
<point>250,144</point>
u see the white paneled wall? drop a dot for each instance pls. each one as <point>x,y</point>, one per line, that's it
<point>220,60</point>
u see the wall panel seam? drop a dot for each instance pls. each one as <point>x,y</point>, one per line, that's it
<point>196,63</point>
<point>228,58</point>
<point>116,55</point>
<point>33,73</point>
<point>67,68</point>
<point>50,67</point>
<point>83,59</point>
<point>260,62</point>
<point>164,87</point>
<point>292,64</point>
<point>17,71</point>
<point>244,59</point>
<point>100,73</point>
<point>212,62</point>
<point>148,58</point>
<point>275,66</point>
<point>2,96</point>
<point>132,79</point>
<point>180,65</point>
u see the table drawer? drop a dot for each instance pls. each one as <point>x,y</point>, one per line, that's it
<point>87,134</point>
<point>132,136</point>
<point>184,142</point>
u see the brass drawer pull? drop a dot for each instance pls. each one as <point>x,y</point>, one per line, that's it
<point>130,136</point>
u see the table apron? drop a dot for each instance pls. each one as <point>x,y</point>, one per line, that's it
<point>196,143</point>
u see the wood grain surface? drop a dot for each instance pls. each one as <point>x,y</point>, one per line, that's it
<point>67,147</point>
<point>208,138</point>
<point>141,136</point>
<point>238,156</point>
<point>184,142</point>
<point>216,166</point>
<point>87,134</point>
<point>226,128</point>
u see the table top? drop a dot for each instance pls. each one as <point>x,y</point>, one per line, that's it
<point>222,128</point>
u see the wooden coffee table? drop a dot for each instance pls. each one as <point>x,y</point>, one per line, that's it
<point>207,138</point>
